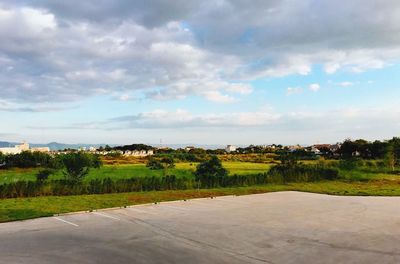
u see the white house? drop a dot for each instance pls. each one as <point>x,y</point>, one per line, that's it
<point>16,149</point>
<point>230,148</point>
<point>22,147</point>
<point>40,149</point>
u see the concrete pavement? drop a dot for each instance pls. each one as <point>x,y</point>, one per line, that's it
<point>283,227</point>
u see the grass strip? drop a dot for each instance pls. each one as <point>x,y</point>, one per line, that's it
<point>27,208</point>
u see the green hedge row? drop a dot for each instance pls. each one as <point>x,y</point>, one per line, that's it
<point>278,174</point>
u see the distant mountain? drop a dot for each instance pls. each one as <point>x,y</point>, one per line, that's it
<point>61,146</point>
<point>53,145</point>
<point>5,144</point>
<point>177,146</point>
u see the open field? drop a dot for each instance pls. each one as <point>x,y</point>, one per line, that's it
<point>25,208</point>
<point>136,170</point>
<point>282,227</point>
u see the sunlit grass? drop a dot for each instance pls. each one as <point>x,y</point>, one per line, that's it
<point>25,208</point>
<point>184,169</point>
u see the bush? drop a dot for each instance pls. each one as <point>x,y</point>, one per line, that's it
<point>28,159</point>
<point>77,165</point>
<point>301,173</point>
<point>44,174</point>
<point>208,170</point>
<point>159,164</point>
<point>154,164</point>
<point>348,164</point>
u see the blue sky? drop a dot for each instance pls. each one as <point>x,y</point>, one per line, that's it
<point>219,72</point>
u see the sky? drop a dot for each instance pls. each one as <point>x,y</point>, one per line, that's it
<point>206,72</point>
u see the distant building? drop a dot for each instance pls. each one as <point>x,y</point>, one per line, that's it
<point>16,149</point>
<point>294,148</point>
<point>40,149</point>
<point>22,147</point>
<point>138,153</point>
<point>230,148</point>
<point>189,148</point>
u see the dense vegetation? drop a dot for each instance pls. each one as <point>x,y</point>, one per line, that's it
<point>209,174</point>
<point>357,168</point>
<point>29,159</point>
<point>69,174</point>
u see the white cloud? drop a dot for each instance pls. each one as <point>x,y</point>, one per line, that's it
<point>182,118</point>
<point>345,84</point>
<point>262,126</point>
<point>315,87</point>
<point>293,90</point>
<point>7,106</point>
<point>67,50</point>
<point>309,125</point>
<point>216,96</point>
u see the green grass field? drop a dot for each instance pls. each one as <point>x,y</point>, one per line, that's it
<point>135,170</point>
<point>26,208</point>
<point>354,182</point>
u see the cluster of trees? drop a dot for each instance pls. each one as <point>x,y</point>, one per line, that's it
<point>209,174</point>
<point>77,165</point>
<point>132,147</point>
<point>290,170</point>
<point>74,165</point>
<point>192,155</point>
<point>28,159</point>
<point>161,163</point>
<point>259,149</point>
<point>388,151</point>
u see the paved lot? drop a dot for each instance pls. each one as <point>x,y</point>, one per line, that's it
<point>284,227</point>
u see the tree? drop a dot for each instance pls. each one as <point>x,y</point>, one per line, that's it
<point>210,168</point>
<point>2,160</point>
<point>44,174</point>
<point>164,163</point>
<point>390,158</point>
<point>288,159</point>
<point>168,163</point>
<point>378,149</point>
<point>77,165</point>
<point>154,164</point>
<point>348,149</point>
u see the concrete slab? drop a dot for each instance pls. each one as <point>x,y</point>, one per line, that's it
<point>284,227</point>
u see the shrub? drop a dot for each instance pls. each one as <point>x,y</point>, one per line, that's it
<point>77,165</point>
<point>301,173</point>
<point>154,164</point>
<point>166,162</point>
<point>208,170</point>
<point>28,159</point>
<point>348,164</point>
<point>44,174</point>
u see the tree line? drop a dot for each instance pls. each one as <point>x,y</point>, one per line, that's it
<point>208,174</point>
<point>74,165</point>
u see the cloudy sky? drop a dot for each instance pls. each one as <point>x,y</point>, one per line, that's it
<point>211,72</point>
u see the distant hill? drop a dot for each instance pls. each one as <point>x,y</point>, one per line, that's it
<point>52,145</point>
<point>5,144</point>
<point>61,146</point>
